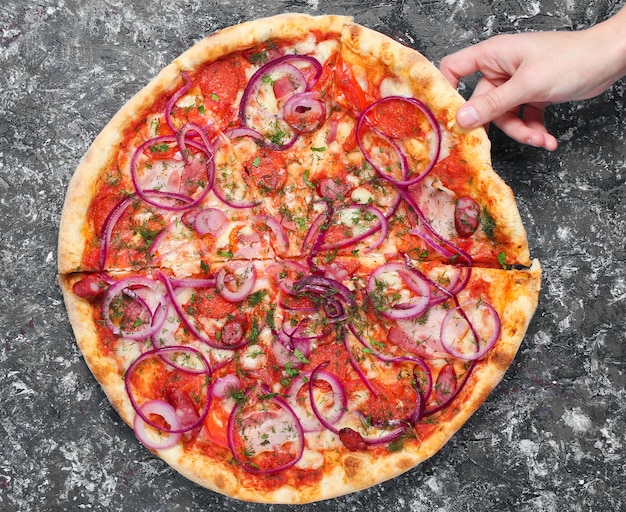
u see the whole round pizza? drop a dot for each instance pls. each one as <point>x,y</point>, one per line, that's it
<point>291,272</point>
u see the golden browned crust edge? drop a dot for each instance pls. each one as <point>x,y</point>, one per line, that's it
<point>105,370</point>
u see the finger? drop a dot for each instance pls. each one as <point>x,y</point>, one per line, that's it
<point>534,117</point>
<point>531,132</point>
<point>460,64</point>
<point>485,107</point>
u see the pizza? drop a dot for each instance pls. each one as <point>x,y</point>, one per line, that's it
<point>291,272</point>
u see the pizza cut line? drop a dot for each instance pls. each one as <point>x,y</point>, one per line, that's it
<point>290,271</point>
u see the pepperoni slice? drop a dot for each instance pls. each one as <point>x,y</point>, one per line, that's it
<point>212,305</point>
<point>352,440</point>
<point>220,83</point>
<point>91,287</point>
<point>398,119</point>
<point>466,216</point>
<point>267,170</point>
<point>184,406</point>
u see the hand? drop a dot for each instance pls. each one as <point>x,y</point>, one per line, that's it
<point>523,73</point>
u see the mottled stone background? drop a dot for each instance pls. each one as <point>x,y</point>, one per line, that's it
<point>552,435</point>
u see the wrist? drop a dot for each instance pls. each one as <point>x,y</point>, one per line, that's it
<point>612,37</point>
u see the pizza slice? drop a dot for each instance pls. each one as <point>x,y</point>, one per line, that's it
<point>270,382</point>
<point>398,120</point>
<point>227,126</point>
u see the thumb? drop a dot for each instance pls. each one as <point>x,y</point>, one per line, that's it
<point>484,107</point>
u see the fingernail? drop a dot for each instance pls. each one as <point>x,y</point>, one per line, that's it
<point>467,116</point>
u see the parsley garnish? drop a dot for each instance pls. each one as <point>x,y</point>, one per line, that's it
<point>488,223</point>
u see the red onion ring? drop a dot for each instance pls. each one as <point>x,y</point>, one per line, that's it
<point>457,326</point>
<point>161,353</point>
<point>381,226</point>
<point>209,221</point>
<point>168,413</point>
<point>177,95</point>
<point>424,390</point>
<point>188,201</point>
<point>211,342</point>
<point>294,434</point>
<point>284,64</point>
<point>248,280</point>
<point>340,398</point>
<point>416,305</point>
<point>282,239</point>
<point>232,201</point>
<point>304,111</point>
<point>437,141</point>
<point>157,317</point>
<point>107,228</point>
<point>436,408</point>
<point>223,387</point>
<point>434,239</point>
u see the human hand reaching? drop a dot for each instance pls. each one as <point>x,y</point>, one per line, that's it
<point>523,73</point>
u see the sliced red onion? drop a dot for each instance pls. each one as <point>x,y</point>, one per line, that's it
<point>308,420</point>
<point>357,368</point>
<point>107,228</point>
<point>168,413</point>
<point>189,323</point>
<point>233,202</point>
<point>210,221</point>
<point>149,195</point>
<point>284,349</point>
<point>282,240</point>
<point>283,65</point>
<point>193,282</point>
<point>181,139</point>
<point>245,276</point>
<point>434,239</point>
<point>224,387</point>
<point>159,239</point>
<point>172,102</point>
<point>264,423</point>
<point>445,377</point>
<point>381,226</point>
<point>333,414</point>
<point>461,338</point>
<point>416,305</point>
<point>156,316</point>
<point>379,437</point>
<point>243,131</point>
<point>283,271</point>
<point>436,129</point>
<point>315,235</point>
<point>426,381</point>
<point>164,354</point>
<point>304,111</point>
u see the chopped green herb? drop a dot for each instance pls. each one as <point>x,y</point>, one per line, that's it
<point>488,223</point>
<point>502,260</point>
